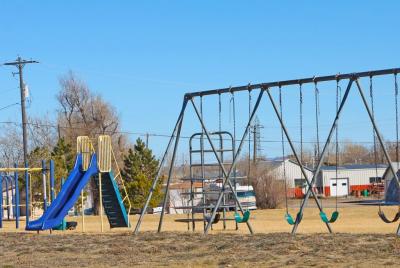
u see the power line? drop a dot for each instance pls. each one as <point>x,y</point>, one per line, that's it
<point>149,134</point>
<point>8,106</point>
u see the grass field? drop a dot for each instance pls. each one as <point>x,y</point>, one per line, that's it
<point>360,239</point>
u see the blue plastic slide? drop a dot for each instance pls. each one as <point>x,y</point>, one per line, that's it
<point>67,197</point>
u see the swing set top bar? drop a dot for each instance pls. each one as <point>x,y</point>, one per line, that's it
<point>20,169</point>
<point>315,79</point>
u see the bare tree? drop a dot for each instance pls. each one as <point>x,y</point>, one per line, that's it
<point>83,113</point>
<point>42,132</point>
<point>11,145</point>
<point>269,190</point>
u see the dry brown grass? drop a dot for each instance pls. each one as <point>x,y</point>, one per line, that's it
<point>362,239</point>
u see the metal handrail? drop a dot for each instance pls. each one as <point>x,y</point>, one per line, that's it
<point>122,183</point>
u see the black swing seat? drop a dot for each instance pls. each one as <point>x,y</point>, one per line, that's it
<point>216,219</point>
<point>392,198</point>
<point>385,219</point>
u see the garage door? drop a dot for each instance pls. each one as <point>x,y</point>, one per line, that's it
<point>339,187</point>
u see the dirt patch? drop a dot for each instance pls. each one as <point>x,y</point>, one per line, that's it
<point>186,249</point>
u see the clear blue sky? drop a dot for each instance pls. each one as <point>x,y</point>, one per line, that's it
<point>142,56</point>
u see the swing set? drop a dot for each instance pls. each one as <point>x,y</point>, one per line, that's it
<point>242,214</point>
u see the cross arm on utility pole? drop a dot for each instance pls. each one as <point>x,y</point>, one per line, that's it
<point>20,62</point>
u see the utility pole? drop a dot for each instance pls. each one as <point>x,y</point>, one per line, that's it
<point>257,139</point>
<point>20,64</point>
<point>147,140</point>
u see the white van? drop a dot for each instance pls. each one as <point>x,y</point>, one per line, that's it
<point>244,193</point>
<point>246,196</point>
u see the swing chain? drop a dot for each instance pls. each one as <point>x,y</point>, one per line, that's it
<point>283,150</point>
<point>249,173</point>
<point>316,93</point>
<point>371,94</point>
<point>338,96</point>
<point>219,112</point>
<point>396,97</point>
<point>301,125</point>
<point>232,101</point>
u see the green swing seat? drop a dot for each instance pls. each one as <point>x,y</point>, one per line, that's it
<point>245,218</point>
<point>292,221</point>
<point>324,217</point>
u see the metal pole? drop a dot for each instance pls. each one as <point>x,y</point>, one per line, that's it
<point>227,175</point>
<point>12,205</point>
<point>100,203</point>
<point>378,134</point>
<point>64,224</point>
<point>7,198</point>
<point>221,147</point>
<point>83,213</point>
<point>27,204</point>
<point>154,185</point>
<point>315,79</point>
<point>324,151</point>
<point>52,193</point>
<point>191,196</point>
<point>178,133</point>
<point>202,171</point>
<point>44,185</point>
<point>17,211</point>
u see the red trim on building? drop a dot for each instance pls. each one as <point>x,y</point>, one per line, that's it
<point>297,192</point>
<point>327,191</point>
<point>353,188</point>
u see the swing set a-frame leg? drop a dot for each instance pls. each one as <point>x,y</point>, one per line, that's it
<point>164,158</point>
<point>398,230</point>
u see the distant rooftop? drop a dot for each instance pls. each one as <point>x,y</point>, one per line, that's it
<point>355,166</point>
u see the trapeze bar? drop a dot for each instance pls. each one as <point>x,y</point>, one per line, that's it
<point>20,169</point>
<point>315,79</point>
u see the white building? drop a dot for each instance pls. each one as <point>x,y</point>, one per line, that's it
<point>294,178</point>
<point>349,179</point>
<point>7,194</point>
<point>179,197</point>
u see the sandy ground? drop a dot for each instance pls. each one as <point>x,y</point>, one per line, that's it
<point>360,239</point>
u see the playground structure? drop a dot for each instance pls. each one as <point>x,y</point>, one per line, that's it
<point>209,175</point>
<point>100,165</point>
<point>227,171</point>
<point>12,189</point>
